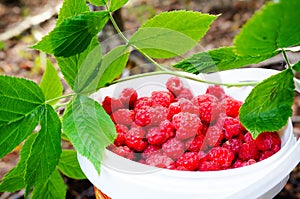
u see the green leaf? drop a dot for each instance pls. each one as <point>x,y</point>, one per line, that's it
<point>45,152</point>
<point>14,179</point>
<point>70,66</point>
<point>116,4</point>
<point>219,59</point>
<point>98,2</point>
<point>73,35</point>
<point>20,100</point>
<point>89,128</point>
<point>296,66</point>
<point>69,166</point>
<point>268,106</point>
<point>113,64</point>
<point>54,187</point>
<point>71,8</point>
<point>271,28</point>
<point>50,83</point>
<point>171,34</point>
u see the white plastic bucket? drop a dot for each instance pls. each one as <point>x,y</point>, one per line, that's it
<point>121,178</point>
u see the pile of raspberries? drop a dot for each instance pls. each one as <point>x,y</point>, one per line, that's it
<point>176,130</point>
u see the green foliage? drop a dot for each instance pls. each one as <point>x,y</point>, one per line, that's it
<point>89,128</point>
<point>71,8</point>
<point>268,106</point>
<point>116,4</point>
<point>159,36</point>
<point>73,35</point>
<point>69,165</point>
<point>296,67</point>
<point>50,83</point>
<point>98,2</point>
<point>219,59</point>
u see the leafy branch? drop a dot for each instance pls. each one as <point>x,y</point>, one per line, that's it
<point>26,105</point>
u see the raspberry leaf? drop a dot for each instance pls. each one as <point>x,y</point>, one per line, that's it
<point>45,152</point>
<point>20,101</point>
<point>98,2</point>
<point>296,66</point>
<point>89,128</point>
<point>73,35</point>
<point>268,106</point>
<point>116,4</point>
<point>69,166</point>
<point>50,83</point>
<point>219,59</point>
<point>171,34</point>
<point>71,8</point>
<point>53,187</point>
<point>70,66</point>
<point>271,28</point>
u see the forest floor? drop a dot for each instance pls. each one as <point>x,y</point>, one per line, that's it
<point>16,58</point>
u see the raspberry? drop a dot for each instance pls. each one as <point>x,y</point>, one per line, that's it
<point>209,112</point>
<point>248,138</point>
<point>214,136</point>
<point>142,116</point>
<point>167,127</point>
<point>134,139</point>
<point>159,160</point>
<point>268,141</point>
<point>158,114</point>
<point>209,166</point>
<point>123,151</point>
<point>151,149</point>
<point>110,104</point>
<point>161,98</point>
<point>174,85</point>
<point>231,127</point>
<point>189,161</point>
<point>121,131</point>
<point>205,98</point>
<point>173,148</point>
<point>128,97</point>
<point>182,105</point>
<point>231,106</point>
<point>156,137</point>
<point>142,103</point>
<point>174,108</point>
<point>233,145</point>
<point>216,91</point>
<point>248,151</point>
<point>187,125</point>
<point>185,93</point>
<point>196,144</point>
<point>222,156</point>
<point>265,155</point>
<point>239,163</point>
<point>123,116</point>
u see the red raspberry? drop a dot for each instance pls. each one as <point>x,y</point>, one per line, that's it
<point>231,106</point>
<point>174,108</point>
<point>248,151</point>
<point>123,151</point>
<point>185,93</point>
<point>189,161</point>
<point>159,160</point>
<point>248,138</point>
<point>156,137</point>
<point>158,114</point>
<point>128,97</point>
<point>121,131</point>
<point>123,116</point>
<point>167,127</point>
<point>231,127</point>
<point>233,144</point>
<point>142,103</point>
<point>265,155</point>
<point>205,98</point>
<point>134,139</point>
<point>196,144</point>
<point>222,156</point>
<point>187,125</point>
<point>161,98</point>
<point>110,104</point>
<point>182,105</point>
<point>268,141</point>
<point>173,148</point>
<point>174,85</point>
<point>239,163</point>
<point>151,149</point>
<point>209,112</point>
<point>142,116</point>
<point>214,136</point>
<point>216,91</point>
<point>209,166</point>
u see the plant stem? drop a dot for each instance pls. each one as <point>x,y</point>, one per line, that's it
<point>61,97</point>
<point>286,58</point>
<point>180,74</point>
